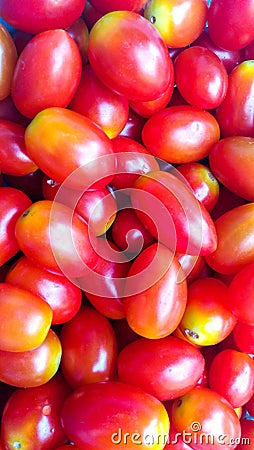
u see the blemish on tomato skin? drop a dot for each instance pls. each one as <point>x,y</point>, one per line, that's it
<point>46,410</point>
<point>26,213</point>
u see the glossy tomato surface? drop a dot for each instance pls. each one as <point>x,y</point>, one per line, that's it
<point>114,5</point>
<point>8,60</point>
<point>241,294</point>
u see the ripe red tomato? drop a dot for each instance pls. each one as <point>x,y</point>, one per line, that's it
<point>241,294</point>
<point>88,337</point>
<point>46,143</point>
<point>230,26</point>
<point>33,367</point>
<point>180,134</point>
<point>8,60</point>
<point>32,92</point>
<point>48,14</point>
<point>231,374</point>
<point>63,297</point>
<point>28,411</point>
<point>201,77</point>
<point>147,109</point>
<point>102,415</point>
<point>155,294</point>
<point>243,335</point>
<point>106,6</point>
<point>129,55</point>
<point>180,22</point>
<point>13,203</point>
<point>25,319</point>
<point>176,368</point>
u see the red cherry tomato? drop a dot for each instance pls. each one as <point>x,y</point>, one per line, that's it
<point>28,409</point>
<point>231,28</point>
<point>106,6</point>
<point>33,367</point>
<point>231,374</point>
<point>201,77</point>
<point>32,92</point>
<point>177,366</point>
<point>63,297</point>
<point>133,48</point>
<point>152,278</point>
<point>8,60</point>
<point>33,18</point>
<point>90,337</point>
<point>116,413</point>
<point>13,203</point>
<point>25,319</point>
<point>180,22</point>
<point>180,134</point>
<point>243,335</point>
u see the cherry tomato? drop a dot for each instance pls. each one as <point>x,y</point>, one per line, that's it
<point>204,412</point>
<point>231,28</point>
<point>25,319</point>
<point>106,6</point>
<point>99,103</point>
<point>128,54</point>
<point>180,134</point>
<point>203,183</point>
<point>180,22</point>
<point>177,366</point>
<point>201,77</point>
<point>33,367</point>
<point>102,415</point>
<point>241,291</point>
<point>37,234</point>
<point>46,142</point>
<point>231,374</point>
<point>33,18</point>
<point>13,154</point>
<point>158,298</point>
<point>13,203</point>
<point>63,297</point>
<point>235,247</point>
<point>88,337</point>
<point>243,335</point>
<point>32,92</point>
<point>207,319</point>
<point>235,114</point>
<point>8,60</point>
<point>28,411</point>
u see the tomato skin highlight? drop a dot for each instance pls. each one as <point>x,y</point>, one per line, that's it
<point>8,60</point>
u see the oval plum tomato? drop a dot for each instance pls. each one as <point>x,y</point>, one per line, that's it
<point>235,247</point>
<point>158,300</point>
<point>14,159</point>
<point>27,409</point>
<point>202,182</point>
<point>13,203</point>
<point>25,319</point>
<point>8,60</point>
<point>177,366</point>
<point>46,142</point>
<point>102,105</point>
<point>172,214</point>
<point>207,319</point>
<point>51,235</point>
<point>33,367</point>
<point>63,297</point>
<point>207,419</point>
<point>241,294</point>
<point>180,22</point>
<point>128,54</point>
<point>106,6</point>
<point>231,27</point>
<point>79,32</point>
<point>33,18</point>
<point>32,92</point>
<point>231,374</point>
<point>88,338</point>
<point>201,77</point>
<point>229,159</point>
<point>235,114</point>
<point>180,134</point>
<point>102,415</point>
<point>243,335</point>
<point>132,160</point>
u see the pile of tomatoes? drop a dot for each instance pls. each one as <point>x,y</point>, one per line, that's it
<point>126,224</point>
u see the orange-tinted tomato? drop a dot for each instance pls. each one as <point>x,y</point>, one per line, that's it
<point>8,60</point>
<point>25,319</point>
<point>33,367</point>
